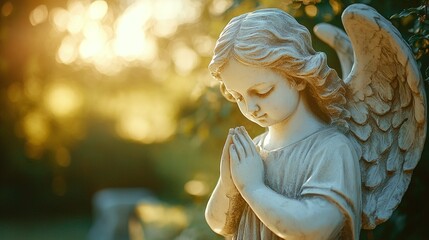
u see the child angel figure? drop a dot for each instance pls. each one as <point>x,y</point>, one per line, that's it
<point>336,156</point>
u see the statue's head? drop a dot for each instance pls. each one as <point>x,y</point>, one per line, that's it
<point>272,39</point>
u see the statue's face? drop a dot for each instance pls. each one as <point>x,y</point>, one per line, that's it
<point>263,96</point>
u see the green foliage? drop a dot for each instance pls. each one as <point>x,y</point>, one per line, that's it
<point>418,18</point>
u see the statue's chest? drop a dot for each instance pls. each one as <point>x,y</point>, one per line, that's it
<point>284,173</point>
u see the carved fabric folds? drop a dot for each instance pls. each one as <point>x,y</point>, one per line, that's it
<point>325,164</point>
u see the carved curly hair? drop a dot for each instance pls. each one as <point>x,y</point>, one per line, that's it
<point>273,39</point>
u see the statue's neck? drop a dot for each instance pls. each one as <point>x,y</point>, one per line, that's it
<point>302,123</point>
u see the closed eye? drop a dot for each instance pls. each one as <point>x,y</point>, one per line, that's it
<point>264,93</point>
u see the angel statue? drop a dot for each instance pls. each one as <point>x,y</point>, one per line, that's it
<point>336,156</point>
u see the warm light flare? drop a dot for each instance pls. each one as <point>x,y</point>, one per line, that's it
<point>336,6</point>
<point>311,10</point>
<point>219,6</point>
<point>185,59</point>
<point>35,128</point>
<point>59,18</point>
<point>98,9</point>
<point>95,41</point>
<point>62,100</point>
<point>131,41</point>
<point>113,42</point>
<point>158,214</point>
<point>38,15</point>
<point>75,24</point>
<point>197,188</point>
<point>142,115</point>
<point>67,53</point>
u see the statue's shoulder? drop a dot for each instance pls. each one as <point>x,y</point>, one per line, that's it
<point>333,139</point>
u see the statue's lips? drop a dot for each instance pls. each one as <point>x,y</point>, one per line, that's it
<point>261,118</point>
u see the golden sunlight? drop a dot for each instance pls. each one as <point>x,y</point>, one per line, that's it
<point>197,188</point>
<point>35,127</point>
<point>311,10</point>
<point>119,40</point>
<point>336,6</point>
<point>153,213</point>
<point>148,120</point>
<point>219,6</point>
<point>67,52</point>
<point>142,115</point>
<point>59,18</point>
<point>39,15</point>
<point>185,59</point>
<point>98,9</point>
<point>62,100</point>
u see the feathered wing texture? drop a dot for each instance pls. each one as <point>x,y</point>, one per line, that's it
<point>387,104</point>
<point>338,40</point>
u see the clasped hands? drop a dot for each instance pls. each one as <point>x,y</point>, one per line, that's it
<point>241,165</point>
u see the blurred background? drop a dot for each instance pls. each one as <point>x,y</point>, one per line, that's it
<point>108,111</point>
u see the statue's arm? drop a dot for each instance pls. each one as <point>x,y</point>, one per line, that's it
<point>224,210</point>
<point>225,205</point>
<point>312,217</point>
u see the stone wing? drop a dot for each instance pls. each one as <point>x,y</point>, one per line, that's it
<point>387,105</point>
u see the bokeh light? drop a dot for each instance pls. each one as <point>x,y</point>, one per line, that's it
<point>197,188</point>
<point>6,9</point>
<point>110,44</point>
<point>62,100</point>
<point>36,128</point>
<point>98,9</point>
<point>39,15</point>
<point>311,10</point>
<point>159,214</point>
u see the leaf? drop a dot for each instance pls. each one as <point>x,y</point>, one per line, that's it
<point>406,12</point>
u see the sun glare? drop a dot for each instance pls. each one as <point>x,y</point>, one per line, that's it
<point>67,52</point>
<point>127,37</point>
<point>98,9</point>
<point>185,59</point>
<point>62,100</point>
<point>110,37</point>
<point>39,15</point>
